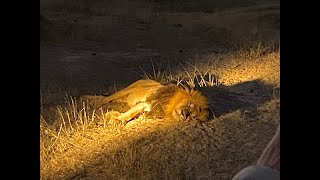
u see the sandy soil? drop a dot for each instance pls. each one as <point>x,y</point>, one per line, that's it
<point>113,52</point>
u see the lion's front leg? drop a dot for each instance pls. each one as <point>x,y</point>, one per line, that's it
<point>133,112</point>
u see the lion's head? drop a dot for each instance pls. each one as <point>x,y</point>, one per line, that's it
<point>188,104</point>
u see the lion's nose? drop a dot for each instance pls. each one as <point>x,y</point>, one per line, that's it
<point>185,113</point>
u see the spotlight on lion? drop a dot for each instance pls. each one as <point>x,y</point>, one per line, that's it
<point>88,139</point>
<point>137,89</point>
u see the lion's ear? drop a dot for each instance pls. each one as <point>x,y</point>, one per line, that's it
<point>192,91</point>
<point>184,87</point>
<point>180,86</point>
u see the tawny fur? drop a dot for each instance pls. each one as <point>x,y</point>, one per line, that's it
<point>163,101</point>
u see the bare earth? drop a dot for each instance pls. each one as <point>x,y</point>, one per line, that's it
<point>101,54</point>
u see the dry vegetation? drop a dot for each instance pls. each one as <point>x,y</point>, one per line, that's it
<point>239,73</point>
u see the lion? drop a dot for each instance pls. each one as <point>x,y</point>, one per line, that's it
<point>168,101</point>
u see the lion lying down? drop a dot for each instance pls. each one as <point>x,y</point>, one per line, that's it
<point>167,101</point>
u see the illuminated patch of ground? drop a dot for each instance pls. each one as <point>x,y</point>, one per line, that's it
<point>74,144</point>
<point>246,117</point>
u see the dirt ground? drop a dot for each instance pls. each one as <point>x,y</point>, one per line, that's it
<point>100,53</point>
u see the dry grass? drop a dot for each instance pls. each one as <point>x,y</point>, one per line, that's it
<point>80,143</point>
<point>158,150</point>
<point>88,145</point>
<point>258,62</point>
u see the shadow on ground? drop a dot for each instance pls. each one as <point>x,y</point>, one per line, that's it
<point>214,150</point>
<point>246,95</point>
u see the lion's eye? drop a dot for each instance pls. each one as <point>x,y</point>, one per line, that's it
<point>191,105</point>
